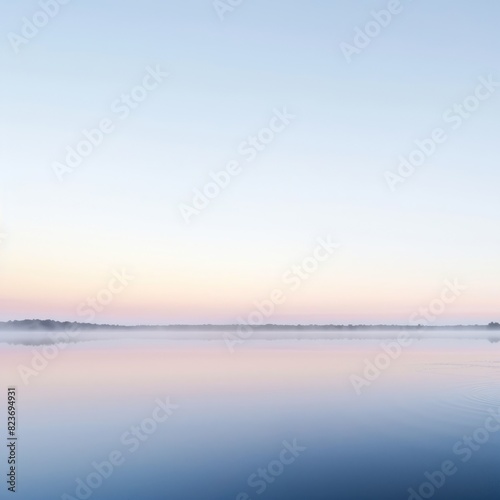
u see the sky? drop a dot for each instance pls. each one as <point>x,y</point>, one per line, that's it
<point>333,110</point>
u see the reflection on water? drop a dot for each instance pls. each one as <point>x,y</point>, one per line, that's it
<point>236,410</point>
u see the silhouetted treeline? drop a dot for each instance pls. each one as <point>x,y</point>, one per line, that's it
<point>38,324</point>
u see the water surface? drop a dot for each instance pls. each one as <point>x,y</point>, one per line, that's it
<point>236,410</point>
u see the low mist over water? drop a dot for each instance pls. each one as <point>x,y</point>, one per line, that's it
<point>152,417</point>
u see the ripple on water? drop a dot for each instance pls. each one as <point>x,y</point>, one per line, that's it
<point>461,396</point>
<point>469,403</point>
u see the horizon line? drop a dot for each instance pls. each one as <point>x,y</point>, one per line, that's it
<point>235,325</point>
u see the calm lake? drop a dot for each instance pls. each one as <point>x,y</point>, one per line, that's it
<point>159,419</point>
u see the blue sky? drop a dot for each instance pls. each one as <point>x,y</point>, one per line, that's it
<point>323,175</point>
